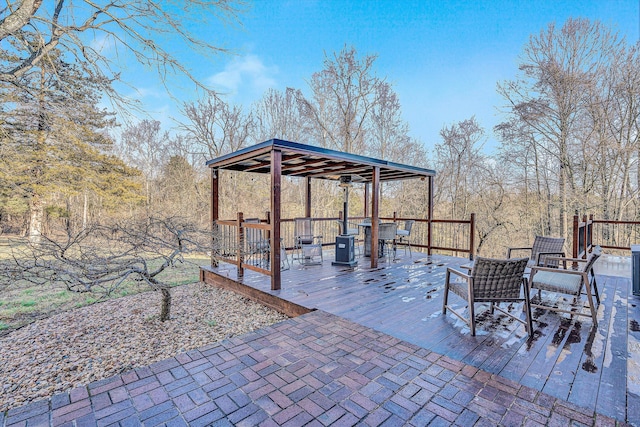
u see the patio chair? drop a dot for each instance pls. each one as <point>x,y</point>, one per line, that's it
<point>571,276</point>
<point>386,237</point>
<point>308,248</point>
<point>543,247</point>
<point>490,280</point>
<point>404,236</point>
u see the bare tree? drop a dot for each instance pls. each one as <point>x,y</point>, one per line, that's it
<point>558,67</point>
<point>145,146</point>
<point>87,32</point>
<point>279,115</point>
<point>343,96</point>
<point>101,258</point>
<point>215,127</point>
<point>458,158</point>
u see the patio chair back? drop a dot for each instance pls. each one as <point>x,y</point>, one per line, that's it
<point>303,230</point>
<point>408,225</point>
<point>387,231</point>
<point>497,279</point>
<point>546,245</point>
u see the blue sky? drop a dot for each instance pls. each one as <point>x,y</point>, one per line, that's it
<point>444,58</point>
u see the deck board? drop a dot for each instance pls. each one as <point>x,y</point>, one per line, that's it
<point>566,358</point>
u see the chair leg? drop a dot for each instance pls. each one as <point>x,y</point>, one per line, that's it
<point>527,311</point>
<point>445,299</point>
<point>594,313</point>
<point>472,318</point>
<point>595,289</point>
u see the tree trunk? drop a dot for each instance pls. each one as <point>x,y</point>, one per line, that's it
<point>165,312</point>
<point>85,208</point>
<point>36,219</point>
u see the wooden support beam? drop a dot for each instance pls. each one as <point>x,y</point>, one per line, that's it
<point>215,213</point>
<point>240,245</point>
<point>367,209</point>
<point>307,203</point>
<point>430,213</point>
<point>276,188</point>
<point>375,214</point>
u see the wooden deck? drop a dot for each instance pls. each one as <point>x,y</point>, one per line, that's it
<point>596,368</point>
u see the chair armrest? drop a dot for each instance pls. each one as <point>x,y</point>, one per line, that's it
<point>560,256</point>
<point>458,273</point>
<point>569,259</point>
<point>517,249</point>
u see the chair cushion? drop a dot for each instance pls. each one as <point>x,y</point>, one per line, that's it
<point>557,282</point>
<point>402,232</point>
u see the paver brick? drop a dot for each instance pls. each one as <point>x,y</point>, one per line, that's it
<point>331,416</point>
<point>142,386</point>
<point>118,394</point>
<point>71,408</point>
<point>208,419</point>
<point>377,417</point>
<point>183,403</point>
<point>158,395</point>
<point>142,402</point>
<point>162,417</point>
<point>243,413</point>
<point>115,417</point>
<point>201,411</point>
<point>129,377</point>
<point>58,400</point>
<point>354,408</point>
<point>253,420</point>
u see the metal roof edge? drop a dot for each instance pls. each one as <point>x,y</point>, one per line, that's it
<point>322,152</point>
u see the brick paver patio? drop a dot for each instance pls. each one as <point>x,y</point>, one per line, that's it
<point>317,370</point>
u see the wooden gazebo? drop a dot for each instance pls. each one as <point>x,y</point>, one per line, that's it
<point>277,158</point>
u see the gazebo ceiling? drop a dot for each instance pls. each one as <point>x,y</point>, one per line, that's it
<point>315,162</point>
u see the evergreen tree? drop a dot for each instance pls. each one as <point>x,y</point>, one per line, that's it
<point>55,144</point>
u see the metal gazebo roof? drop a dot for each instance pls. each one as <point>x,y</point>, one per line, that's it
<point>314,162</point>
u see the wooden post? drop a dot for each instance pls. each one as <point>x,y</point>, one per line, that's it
<point>430,213</point>
<point>585,225</point>
<point>576,232</point>
<point>375,214</point>
<point>366,200</point>
<point>472,233</point>
<point>214,215</point>
<point>307,204</point>
<point>240,245</point>
<point>267,215</point>
<point>276,188</point>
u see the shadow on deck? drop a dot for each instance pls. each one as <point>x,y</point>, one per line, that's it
<point>595,368</point>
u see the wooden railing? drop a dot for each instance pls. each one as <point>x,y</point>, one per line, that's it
<point>617,235</point>
<point>233,245</point>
